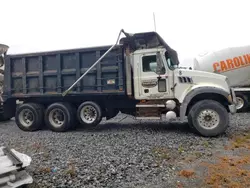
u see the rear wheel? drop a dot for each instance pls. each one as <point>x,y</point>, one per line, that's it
<point>89,114</point>
<point>59,117</point>
<point>208,118</point>
<point>242,102</point>
<point>29,116</point>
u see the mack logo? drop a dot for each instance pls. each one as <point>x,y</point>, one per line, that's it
<point>149,83</point>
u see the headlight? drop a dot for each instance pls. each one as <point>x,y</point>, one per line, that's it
<point>229,98</point>
<point>227,80</point>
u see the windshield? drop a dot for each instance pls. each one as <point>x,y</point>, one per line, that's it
<point>170,63</point>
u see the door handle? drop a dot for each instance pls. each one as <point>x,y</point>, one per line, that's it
<point>165,76</point>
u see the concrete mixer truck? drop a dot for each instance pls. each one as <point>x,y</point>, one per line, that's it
<point>234,63</point>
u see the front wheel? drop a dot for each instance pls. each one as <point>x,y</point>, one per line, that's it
<point>209,118</point>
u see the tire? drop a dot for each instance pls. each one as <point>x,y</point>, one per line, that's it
<point>59,117</point>
<point>243,103</point>
<point>29,116</point>
<point>209,109</point>
<point>96,118</point>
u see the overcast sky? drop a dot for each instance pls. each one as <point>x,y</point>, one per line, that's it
<point>188,26</point>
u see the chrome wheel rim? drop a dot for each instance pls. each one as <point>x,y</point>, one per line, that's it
<point>88,114</point>
<point>208,119</point>
<point>26,117</point>
<point>57,117</point>
<point>240,103</point>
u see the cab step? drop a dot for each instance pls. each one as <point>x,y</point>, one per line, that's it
<point>148,118</point>
<point>156,111</point>
<point>150,106</point>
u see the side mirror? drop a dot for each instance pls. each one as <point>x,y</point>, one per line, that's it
<point>160,66</point>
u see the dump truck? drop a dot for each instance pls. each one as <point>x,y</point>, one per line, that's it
<point>138,76</point>
<point>233,62</point>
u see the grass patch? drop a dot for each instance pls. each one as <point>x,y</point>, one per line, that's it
<point>206,144</point>
<point>181,149</point>
<point>241,141</point>
<point>71,170</point>
<point>187,173</point>
<point>161,153</point>
<point>44,170</point>
<point>229,171</point>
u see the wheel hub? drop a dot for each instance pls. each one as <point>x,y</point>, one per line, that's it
<point>240,103</point>
<point>56,117</point>
<point>26,117</point>
<point>88,114</point>
<point>208,119</point>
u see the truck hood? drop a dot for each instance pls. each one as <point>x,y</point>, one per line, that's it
<point>187,80</point>
<point>203,78</point>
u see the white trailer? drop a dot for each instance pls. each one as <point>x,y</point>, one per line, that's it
<point>234,63</point>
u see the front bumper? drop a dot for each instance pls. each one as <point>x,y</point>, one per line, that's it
<point>233,96</point>
<point>232,107</point>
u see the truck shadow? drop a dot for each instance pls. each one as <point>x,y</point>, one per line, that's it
<point>244,111</point>
<point>145,126</point>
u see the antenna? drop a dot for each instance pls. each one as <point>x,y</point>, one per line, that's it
<point>154,21</point>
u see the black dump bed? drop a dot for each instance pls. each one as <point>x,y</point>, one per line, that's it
<point>51,73</point>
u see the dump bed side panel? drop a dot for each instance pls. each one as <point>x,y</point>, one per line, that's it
<point>51,73</point>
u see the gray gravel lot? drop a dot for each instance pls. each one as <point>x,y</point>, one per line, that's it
<point>121,152</point>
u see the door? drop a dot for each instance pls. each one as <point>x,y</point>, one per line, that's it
<point>151,84</point>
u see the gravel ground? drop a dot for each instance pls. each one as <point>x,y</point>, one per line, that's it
<point>121,152</point>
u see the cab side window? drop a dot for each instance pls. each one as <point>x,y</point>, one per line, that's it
<point>149,63</point>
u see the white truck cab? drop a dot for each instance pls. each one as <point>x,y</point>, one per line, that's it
<point>167,92</point>
<point>174,82</point>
